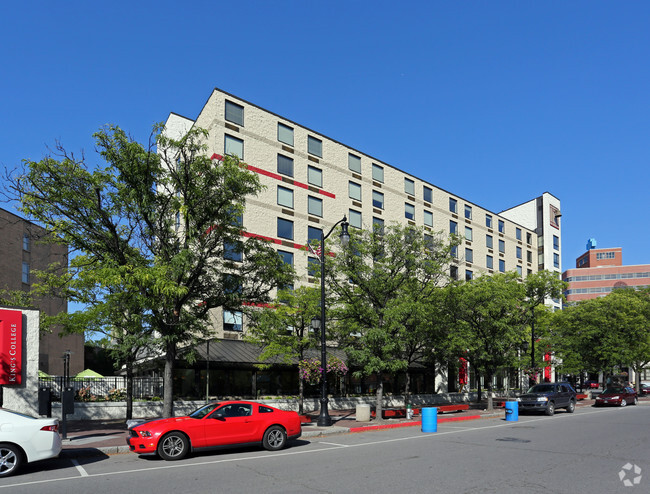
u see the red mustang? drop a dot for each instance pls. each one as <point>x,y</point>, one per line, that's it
<point>214,425</point>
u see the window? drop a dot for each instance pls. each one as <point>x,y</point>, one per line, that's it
<point>428,241</point>
<point>529,256</point>
<point>502,246</point>
<point>489,262</point>
<point>519,256</point>
<point>315,206</point>
<point>469,255</point>
<point>355,218</point>
<point>529,238</point>
<point>518,233</point>
<point>428,218</point>
<point>378,225</point>
<point>453,227</point>
<point>315,176</point>
<point>377,199</point>
<point>285,134</point>
<point>453,272</point>
<point>488,220</point>
<point>354,191</point>
<point>354,163</point>
<point>234,113</point>
<point>468,212</point>
<point>285,229</point>
<point>427,194</point>
<point>502,226</point>
<point>454,251</point>
<point>285,165</point>
<point>313,266</point>
<point>378,173</point>
<point>453,205</point>
<point>468,233</point>
<point>313,235</point>
<point>556,242</point>
<point>409,211</point>
<point>488,241</point>
<point>25,272</point>
<point>287,257</point>
<point>232,251</point>
<point>468,275</point>
<point>26,242</point>
<point>502,266</point>
<point>520,271</point>
<point>315,146</point>
<point>285,197</point>
<point>556,260</point>
<point>232,320</point>
<point>234,147</point>
<point>409,186</point>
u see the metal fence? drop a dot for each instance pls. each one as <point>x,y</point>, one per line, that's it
<point>104,388</point>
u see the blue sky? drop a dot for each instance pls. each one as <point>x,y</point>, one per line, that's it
<point>495,101</point>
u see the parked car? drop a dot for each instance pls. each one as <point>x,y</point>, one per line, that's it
<point>24,439</point>
<point>645,388</point>
<point>547,397</point>
<point>591,384</point>
<point>215,425</point>
<point>617,395</point>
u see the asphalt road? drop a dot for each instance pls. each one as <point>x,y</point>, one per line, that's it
<point>572,453</point>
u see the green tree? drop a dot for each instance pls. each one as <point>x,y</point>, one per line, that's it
<point>489,320</point>
<point>162,224</point>
<point>284,330</point>
<point>383,285</point>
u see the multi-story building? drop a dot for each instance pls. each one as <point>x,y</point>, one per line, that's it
<point>599,271</point>
<point>22,251</point>
<point>312,181</point>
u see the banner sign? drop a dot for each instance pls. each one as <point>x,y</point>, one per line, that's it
<point>11,347</point>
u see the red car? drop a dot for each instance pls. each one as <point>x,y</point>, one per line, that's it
<point>217,424</point>
<point>617,395</point>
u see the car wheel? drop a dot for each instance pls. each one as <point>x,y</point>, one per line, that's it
<point>173,446</point>
<point>550,409</point>
<point>636,401</point>
<point>11,457</point>
<point>572,407</point>
<point>623,402</point>
<point>275,438</point>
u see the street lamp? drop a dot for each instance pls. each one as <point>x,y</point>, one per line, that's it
<point>324,419</point>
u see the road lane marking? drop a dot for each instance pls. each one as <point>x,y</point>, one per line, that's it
<point>335,444</point>
<point>79,468</point>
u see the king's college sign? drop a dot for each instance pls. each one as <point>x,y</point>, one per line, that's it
<point>11,347</point>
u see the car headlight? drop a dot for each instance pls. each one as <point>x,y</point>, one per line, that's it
<point>615,397</point>
<point>542,398</point>
<point>518,399</point>
<point>144,433</point>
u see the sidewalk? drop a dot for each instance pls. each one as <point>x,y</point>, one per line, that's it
<point>97,438</point>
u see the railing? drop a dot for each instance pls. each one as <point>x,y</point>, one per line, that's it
<point>104,388</point>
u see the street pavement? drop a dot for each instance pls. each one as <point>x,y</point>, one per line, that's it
<point>98,438</point>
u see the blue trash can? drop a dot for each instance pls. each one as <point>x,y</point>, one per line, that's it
<point>512,411</point>
<point>430,419</point>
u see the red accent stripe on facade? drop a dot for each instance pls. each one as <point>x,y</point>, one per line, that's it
<point>254,169</point>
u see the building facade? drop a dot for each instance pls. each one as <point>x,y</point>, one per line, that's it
<point>312,181</point>
<point>599,271</point>
<point>21,252</point>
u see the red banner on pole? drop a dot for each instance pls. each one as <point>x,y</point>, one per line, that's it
<point>11,347</point>
<point>547,369</point>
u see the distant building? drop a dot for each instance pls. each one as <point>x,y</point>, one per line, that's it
<point>21,252</point>
<point>599,271</point>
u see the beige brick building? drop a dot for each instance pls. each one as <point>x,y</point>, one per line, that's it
<point>312,181</point>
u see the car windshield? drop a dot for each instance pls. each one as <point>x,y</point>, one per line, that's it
<point>203,411</point>
<point>542,388</point>
<point>613,391</point>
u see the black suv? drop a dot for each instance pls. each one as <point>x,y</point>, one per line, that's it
<point>546,397</point>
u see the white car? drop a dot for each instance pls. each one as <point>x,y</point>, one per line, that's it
<point>24,439</point>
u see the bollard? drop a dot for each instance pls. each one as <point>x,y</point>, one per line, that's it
<point>430,419</point>
<point>363,413</point>
<point>409,412</point>
<point>512,411</point>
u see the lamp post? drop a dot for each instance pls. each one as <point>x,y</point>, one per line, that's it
<point>324,419</point>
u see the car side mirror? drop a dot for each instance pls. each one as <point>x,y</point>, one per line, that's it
<point>217,415</point>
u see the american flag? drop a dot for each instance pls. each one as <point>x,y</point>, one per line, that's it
<point>315,251</point>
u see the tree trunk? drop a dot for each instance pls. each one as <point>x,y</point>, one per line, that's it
<point>379,398</point>
<point>129,390</point>
<point>407,390</point>
<point>301,396</point>
<point>488,389</point>
<point>168,381</point>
